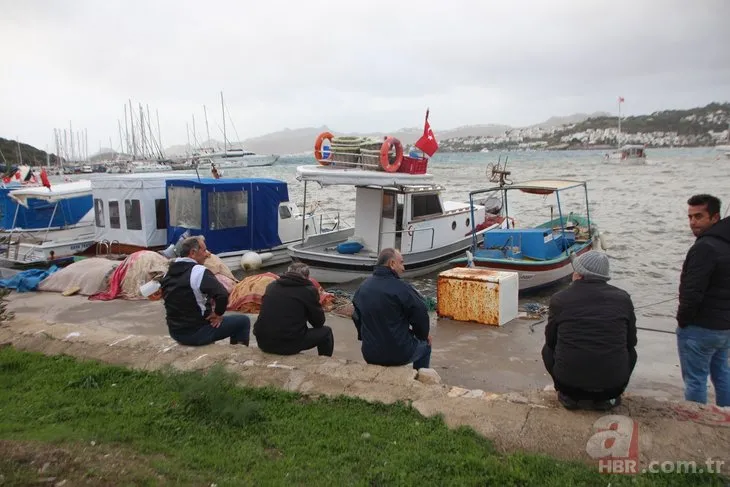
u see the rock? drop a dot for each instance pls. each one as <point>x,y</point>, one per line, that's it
<point>457,392</point>
<point>491,396</point>
<point>249,363</point>
<point>428,376</point>
<point>514,397</point>
<point>549,388</point>
<point>474,394</point>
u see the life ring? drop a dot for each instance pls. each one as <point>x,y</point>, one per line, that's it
<point>318,148</point>
<point>385,154</point>
<point>410,230</point>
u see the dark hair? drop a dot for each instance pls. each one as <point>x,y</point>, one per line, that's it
<point>385,256</point>
<point>711,202</point>
<point>299,268</point>
<point>190,244</point>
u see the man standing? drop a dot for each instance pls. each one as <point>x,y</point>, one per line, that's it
<point>391,317</point>
<point>287,305</point>
<point>703,316</point>
<point>590,337</point>
<point>195,301</point>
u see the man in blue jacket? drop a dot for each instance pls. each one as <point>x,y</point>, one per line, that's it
<point>703,315</point>
<point>391,317</point>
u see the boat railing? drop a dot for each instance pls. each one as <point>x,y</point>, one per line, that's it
<point>331,221</point>
<point>101,245</point>
<point>412,233</point>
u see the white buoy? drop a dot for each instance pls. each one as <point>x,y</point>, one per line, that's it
<point>251,261</point>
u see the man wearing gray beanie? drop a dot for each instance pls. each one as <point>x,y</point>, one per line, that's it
<point>590,337</point>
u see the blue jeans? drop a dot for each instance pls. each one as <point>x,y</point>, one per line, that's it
<point>704,352</point>
<point>235,326</point>
<point>422,355</point>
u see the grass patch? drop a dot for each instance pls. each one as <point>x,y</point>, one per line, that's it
<point>194,429</point>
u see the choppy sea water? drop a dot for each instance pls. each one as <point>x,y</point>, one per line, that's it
<point>640,210</point>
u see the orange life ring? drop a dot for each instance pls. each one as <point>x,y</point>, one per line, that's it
<point>410,230</point>
<point>318,147</point>
<point>385,154</point>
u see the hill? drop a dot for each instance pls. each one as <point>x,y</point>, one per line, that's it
<point>28,154</point>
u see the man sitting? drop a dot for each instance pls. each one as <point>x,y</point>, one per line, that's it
<point>287,305</point>
<point>590,338</point>
<point>391,317</point>
<point>195,301</point>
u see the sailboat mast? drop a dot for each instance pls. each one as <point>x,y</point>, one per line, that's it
<point>131,127</point>
<point>207,131</point>
<point>159,134</point>
<point>20,154</point>
<point>225,141</point>
<point>143,142</point>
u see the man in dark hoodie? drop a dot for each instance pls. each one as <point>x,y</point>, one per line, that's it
<point>703,316</point>
<point>590,337</point>
<point>287,305</point>
<point>391,316</point>
<point>195,301</point>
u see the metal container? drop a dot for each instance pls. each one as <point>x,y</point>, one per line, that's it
<point>479,295</point>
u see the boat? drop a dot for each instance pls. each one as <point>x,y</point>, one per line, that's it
<point>239,216</point>
<point>540,255</point>
<point>233,158</point>
<point>392,209</point>
<point>631,154</point>
<point>60,239</point>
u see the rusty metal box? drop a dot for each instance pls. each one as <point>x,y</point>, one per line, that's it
<point>480,295</point>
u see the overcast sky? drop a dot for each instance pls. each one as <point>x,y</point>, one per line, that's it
<point>351,65</point>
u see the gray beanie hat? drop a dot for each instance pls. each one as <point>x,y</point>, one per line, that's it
<point>592,265</point>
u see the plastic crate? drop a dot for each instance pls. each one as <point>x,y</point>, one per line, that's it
<point>413,165</point>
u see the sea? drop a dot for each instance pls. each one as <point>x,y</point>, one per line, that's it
<point>640,210</point>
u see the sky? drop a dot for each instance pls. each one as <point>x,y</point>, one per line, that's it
<point>355,66</point>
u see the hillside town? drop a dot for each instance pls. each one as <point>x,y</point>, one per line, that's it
<point>694,130</point>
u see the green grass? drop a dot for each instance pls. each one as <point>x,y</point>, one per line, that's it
<point>193,429</point>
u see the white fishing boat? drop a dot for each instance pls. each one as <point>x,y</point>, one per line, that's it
<point>630,154</point>
<point>21,247</point>
<point>392,209</point>
<point>236,216</point>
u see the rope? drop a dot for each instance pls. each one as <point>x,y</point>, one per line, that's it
<point>654,304</point>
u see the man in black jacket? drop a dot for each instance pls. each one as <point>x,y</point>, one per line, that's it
<point>590,337</point>
<point>195,301</point>
<point>391,317</point>
<point>703,316</point>
<point>287,305</point>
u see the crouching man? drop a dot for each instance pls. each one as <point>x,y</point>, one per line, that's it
<point>195,301</point>
<point>287,305</point>
<point>590,338</point>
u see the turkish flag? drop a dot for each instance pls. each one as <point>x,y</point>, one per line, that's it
<point>44,178</point>
<point>427,143</point>
<point>620,99</point>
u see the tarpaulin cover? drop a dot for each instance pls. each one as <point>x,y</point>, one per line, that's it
<point>27,280</point>
<point>247,294</point>
<point>232,214</point>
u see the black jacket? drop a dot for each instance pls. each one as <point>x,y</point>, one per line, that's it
<point>592,331</point>
<point>287,305</point>
<point>390,317</point>
<point>704,286</point>
<point>190,292</point>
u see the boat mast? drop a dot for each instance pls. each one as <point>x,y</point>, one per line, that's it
<point>20,154</point>
<point>618,137</point>
<point>131,126</point>
<point>207,131</point>
<point>223,111</point>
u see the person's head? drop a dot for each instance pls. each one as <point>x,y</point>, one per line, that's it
<point>703,212</point>
<point>300,269</point>
<point>391,258</point>
<point>194,248</point>
<point>592,265</point>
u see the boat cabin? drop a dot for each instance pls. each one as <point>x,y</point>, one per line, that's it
<point>130,210</point>
<point>232,214</point>
<point>633,152</point>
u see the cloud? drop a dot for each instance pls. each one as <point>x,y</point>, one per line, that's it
<point>372,65</point>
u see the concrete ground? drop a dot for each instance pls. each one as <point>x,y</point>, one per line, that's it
<point>469,355</point>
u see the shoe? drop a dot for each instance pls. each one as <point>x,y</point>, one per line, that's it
<point>567,402</point>
<point>607,405</point>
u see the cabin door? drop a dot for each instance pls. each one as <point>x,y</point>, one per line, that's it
<point>388,235</point>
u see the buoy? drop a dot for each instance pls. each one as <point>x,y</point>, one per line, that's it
<point>602,240</point>
<point>385,154</point>
<point>318,155</point>
<point>251,261</point>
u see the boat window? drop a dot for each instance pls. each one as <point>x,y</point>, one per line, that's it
<point>227,209</point>
<point>161,214</point>
<point>388,205</point>
<point>425,205</point>
<point>134,214</point>
<point>184,207</point>
<point>99,212</point>
<point>114,214</point>
<point>284,212</point>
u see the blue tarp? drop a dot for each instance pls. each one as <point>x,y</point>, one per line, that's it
<point>232,214</point>
<point>27,280</point>
<point>38,213</point>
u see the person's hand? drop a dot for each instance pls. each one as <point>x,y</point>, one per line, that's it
<point>429,339</point>
<point>215,320</point>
